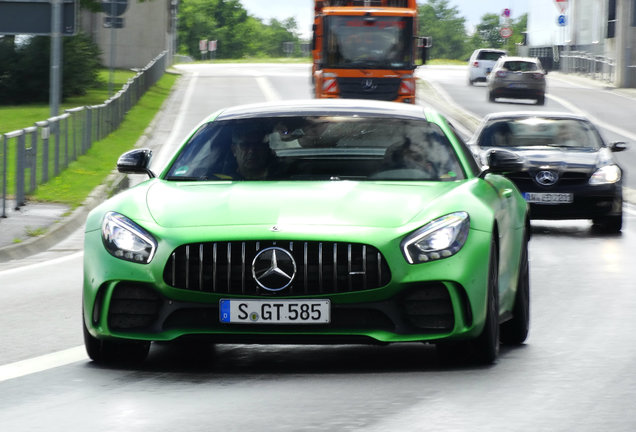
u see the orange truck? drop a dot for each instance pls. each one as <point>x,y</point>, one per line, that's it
<point>366,49</point>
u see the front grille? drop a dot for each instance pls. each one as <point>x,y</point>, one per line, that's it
<point>429,308</point>
<point>133,306</point>
<point>526,181</point>
<point>321,267</point>
<point>385,89</point>
<point>367,3</point>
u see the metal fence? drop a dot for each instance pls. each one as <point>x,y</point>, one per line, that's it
<point>34,155</point>
<point>593,66</point>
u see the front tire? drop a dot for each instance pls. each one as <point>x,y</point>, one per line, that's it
<point>609,224</point>
<point>486,346</point>
<point>515,331</point>
<point>111,352</point>
<point>484,349</point>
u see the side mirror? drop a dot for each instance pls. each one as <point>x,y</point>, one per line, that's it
<point>135,162</point>
<point>618,146</point>
<point>503,161</point>
<point>423,43</point>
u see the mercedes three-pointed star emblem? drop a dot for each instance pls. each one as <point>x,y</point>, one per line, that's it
<point>273,269</point>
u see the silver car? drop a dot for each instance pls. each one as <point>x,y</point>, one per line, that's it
<point>517,78</point>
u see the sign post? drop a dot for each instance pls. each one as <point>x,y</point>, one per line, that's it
<point>562,5</point>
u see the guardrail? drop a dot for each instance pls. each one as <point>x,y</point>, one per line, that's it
<point>34,155</point>
<point>593,66</point>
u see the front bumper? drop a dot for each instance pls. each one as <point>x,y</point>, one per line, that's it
<point>589,202</point>
<point>444,299</point>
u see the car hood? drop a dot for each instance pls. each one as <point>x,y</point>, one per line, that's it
<point>563,159</point>
<point>337,203</point>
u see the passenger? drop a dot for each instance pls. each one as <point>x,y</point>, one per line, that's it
<point>408,155</point>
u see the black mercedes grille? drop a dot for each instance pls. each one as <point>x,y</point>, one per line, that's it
<point>526,181</point>
<point>385,89</point>
<point>321,267</point>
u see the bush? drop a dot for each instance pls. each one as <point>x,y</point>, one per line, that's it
<point>25,68</point>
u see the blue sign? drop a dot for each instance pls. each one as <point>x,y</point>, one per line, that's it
<point>562,20</point>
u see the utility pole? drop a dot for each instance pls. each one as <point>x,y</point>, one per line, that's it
<point>55,83</point>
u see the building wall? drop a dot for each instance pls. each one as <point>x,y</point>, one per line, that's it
<point>587,31</point>
<point>146,34</point>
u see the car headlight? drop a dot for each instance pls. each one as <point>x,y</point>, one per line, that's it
<point>606,175</point>
<point>441,238</point>
<point>126,240</point>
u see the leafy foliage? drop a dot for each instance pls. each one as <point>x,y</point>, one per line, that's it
<point>238,34</point>
<point>447,28</point>
<point>451,39</point>
<point>25,68</point>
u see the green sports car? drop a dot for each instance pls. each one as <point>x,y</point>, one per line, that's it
<point>319,221</point>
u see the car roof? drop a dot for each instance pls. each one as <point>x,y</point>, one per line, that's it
<point>322,107</point>
<point>513,115</point>
<point>519,58</point>
<point>497,50</point>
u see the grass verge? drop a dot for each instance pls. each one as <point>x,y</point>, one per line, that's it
<point>16,117</point>
<point>76,182</point>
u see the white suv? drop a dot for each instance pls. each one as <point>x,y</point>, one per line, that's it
<point>481,62</point>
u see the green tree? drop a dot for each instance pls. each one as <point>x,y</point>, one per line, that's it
<point>487,33</point>
<point>443,23</point>
<point>237,33</point>
<point>25,68</point>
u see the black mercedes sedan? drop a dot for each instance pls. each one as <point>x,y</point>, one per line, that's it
<point>570,171</point>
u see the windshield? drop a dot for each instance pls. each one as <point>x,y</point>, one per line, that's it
<point>533,132</point>
<point>317,148</point>
<point>377,42</point>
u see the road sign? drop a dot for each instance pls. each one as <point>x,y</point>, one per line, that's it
<point>114,7</point>
<point>113,22</point>
<point>34,17</point>
<point>562,5</point>
<point>505,32</point>
<point>562,20</point>
<point>506,13</point>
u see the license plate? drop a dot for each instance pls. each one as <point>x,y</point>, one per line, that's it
<point>303,311</point>
<point>548,197</point>
<point>517,86</point>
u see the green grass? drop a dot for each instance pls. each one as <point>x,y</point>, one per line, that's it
<point>90,170</point>
<point>18,117</point>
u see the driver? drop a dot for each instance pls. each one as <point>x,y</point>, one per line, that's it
<point>255,159</point>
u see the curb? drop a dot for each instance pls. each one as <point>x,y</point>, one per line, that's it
<point>114,183</point>
<point>62,228</point>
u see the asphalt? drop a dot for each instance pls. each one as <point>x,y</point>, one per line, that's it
<point>37,226</point>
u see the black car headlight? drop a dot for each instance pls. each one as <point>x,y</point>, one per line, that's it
<point>126,240</point>
<point>438,239</point>
<point>607,174</point>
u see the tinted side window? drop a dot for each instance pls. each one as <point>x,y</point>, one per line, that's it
<point>489,55</point>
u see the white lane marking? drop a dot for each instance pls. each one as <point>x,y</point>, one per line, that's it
<point>42,363</point>
<point>168,147</point>
<point>599,123</point>
<point>268,90</point>
<point>51,262</point>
